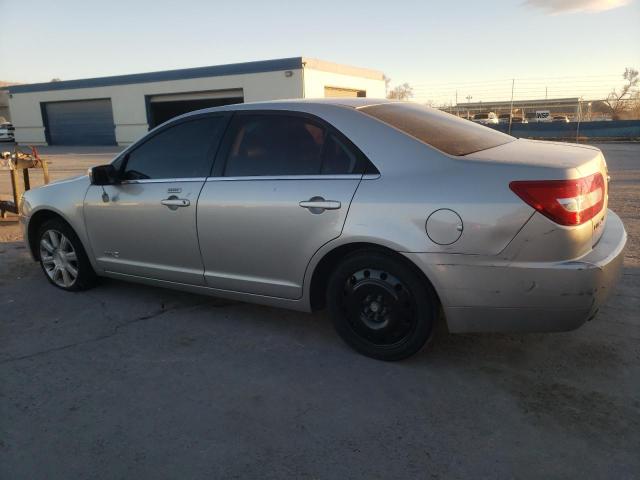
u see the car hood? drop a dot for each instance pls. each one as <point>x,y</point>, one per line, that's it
<point>66,180</point>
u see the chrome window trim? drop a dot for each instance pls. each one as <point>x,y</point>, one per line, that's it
<point>164,180</point>
<point>351,176</point>
<point>286,177</point>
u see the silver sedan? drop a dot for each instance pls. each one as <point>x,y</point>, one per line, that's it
<point>389,214</point>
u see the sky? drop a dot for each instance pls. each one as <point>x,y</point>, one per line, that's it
<point>472,47</point>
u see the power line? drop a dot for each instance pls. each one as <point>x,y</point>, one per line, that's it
<point>530,80</point>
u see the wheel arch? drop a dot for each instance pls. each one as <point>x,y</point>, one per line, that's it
<point>332,258</point>
<point>36,220</point>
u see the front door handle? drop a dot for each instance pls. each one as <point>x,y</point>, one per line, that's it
<point>174,202</point>
<point>319,204</point>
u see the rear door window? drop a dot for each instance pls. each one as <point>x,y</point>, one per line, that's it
<point>285,145</point>
<point>438,129</point>
<point>338,158</point>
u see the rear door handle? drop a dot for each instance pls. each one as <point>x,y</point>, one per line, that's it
<point>174,202</point>
<point>319,204</point>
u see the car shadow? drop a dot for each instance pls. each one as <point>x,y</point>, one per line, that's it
<point>589,347</point>
<point>593,346</point>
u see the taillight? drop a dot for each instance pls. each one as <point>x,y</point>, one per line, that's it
<point>567,202</point>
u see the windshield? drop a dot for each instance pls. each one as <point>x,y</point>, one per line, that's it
<point>438,129</point>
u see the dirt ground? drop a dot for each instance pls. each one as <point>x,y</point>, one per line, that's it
<point>127,381</point>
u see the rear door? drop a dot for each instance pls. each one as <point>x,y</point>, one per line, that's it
<point>146,226</point>
<point>281,189</point>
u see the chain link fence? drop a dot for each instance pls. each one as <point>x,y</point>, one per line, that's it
<point>553,107</point>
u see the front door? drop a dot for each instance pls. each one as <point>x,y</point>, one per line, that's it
<point>283,191</point>
<point>146,225</point>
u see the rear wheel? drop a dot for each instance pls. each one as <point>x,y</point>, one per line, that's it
<point>62,257</point>
<point>380,306</point>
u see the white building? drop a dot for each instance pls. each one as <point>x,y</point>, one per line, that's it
<point>4,105</point>
<point>120,109</point>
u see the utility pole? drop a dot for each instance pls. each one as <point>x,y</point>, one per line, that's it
<point>469,97</point>
<point>457,109</point>
<point>513,83</point>
<point>579,119</point>
<point>546,92</point>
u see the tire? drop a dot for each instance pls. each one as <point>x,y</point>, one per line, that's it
<point>63,258</point>
<point>380,306</point>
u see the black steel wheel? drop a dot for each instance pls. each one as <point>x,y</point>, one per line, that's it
<point>380,306</point>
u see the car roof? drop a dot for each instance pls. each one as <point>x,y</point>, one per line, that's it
<point>300,104</point>
<point>352,102</point>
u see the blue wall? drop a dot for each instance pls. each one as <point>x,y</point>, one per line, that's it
<point>621,129</point>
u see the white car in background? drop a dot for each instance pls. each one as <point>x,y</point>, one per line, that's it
<point>489,118</point>
<point>6,132</point>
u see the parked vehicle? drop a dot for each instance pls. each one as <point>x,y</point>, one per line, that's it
<point>486,118</point>
<point>519,120</point>
<point>504,118</point>
<point>7,132</point>
<point>561,119</point>
<point>387,213</point>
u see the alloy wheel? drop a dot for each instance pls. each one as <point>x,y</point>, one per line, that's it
<point>59,258</point>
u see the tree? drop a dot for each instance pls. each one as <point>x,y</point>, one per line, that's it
<point>56,79</point>
<point>618,100</point>
<point>387,82</point>
<point>401,92</point>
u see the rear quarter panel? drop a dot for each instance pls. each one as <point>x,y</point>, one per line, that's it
<point>415,180</point>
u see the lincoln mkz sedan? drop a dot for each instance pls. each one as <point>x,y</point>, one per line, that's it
<point>389,214</point>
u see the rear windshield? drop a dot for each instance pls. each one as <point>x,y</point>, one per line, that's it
<point>441,130</point>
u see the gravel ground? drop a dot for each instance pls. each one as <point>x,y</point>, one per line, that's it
<point>127,381</point>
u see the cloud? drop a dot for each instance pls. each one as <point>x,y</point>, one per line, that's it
<point>555,7</point>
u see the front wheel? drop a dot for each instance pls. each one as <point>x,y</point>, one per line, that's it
<point>62,257</point>
<point>380,306</point>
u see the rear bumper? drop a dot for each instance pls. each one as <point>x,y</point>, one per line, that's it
<point>487,295</point>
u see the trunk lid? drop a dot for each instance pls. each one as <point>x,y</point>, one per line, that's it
<point>543,160</point>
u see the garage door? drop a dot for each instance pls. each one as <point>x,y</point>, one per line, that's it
<point>166,106</point>
<point>330,92</point>
<point>84,122</point>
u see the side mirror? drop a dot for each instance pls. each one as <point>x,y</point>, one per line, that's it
<point>103,175</point>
